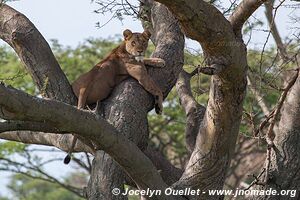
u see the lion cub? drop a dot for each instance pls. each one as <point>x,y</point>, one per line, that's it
<point>124,61</point>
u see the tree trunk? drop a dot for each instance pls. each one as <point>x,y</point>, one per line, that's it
<point>226,60</point>
<point>127,113</point>
<point>284,172</point>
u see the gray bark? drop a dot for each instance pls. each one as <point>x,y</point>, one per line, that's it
<point>275,33</point>
<point>128,113</point>
<point>67,118</point>
<point>242,13</point>
<point>217,133</point>
<point>284,172</point>
<point>35,53</point>
<point>193,110</point>
<point>284,162</point>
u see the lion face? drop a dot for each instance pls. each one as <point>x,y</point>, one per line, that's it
<point>136,43</point>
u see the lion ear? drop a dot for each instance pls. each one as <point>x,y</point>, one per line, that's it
<point>146,34</point>
<point>127,34</point>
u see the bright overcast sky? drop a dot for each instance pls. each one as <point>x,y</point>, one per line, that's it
<point>72,21</point>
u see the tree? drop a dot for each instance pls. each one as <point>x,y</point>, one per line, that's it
<point>211,131</point>
<point>25,188</point>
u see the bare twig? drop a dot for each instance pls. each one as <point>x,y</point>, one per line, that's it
<point>18,167</point>
<point>256,180</point>
<point>241,14</point>
<point>270,133</point>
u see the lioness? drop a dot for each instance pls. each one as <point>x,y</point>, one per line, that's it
<point>124,61</point>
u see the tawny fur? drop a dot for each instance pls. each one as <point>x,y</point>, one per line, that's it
<point>124,61</point>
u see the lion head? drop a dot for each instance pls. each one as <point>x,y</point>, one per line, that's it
<point>136,43</point>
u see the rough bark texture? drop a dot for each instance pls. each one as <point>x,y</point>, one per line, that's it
<point>241,14</point>
<point>123,108</point>
<point>67,118</point>
<point>284,163</point>
<point>193,110</point>
<point>275,33</point>
<point>35,53</point>
<point>215,141</point>
<point>284,171</point>
<point>128,113</point>
<point>218,131</point>
<point>39,61</point>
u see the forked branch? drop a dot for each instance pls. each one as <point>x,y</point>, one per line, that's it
<point>69,119</point>
<point>242,13</point>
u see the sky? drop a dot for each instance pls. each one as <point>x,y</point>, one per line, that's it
<point>71,22</point>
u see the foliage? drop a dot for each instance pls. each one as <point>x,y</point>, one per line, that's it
<point>81,59</point>
<point>25,188</point>
<point>8,148</point>
<point>166,131</point>
<point>12,72</point>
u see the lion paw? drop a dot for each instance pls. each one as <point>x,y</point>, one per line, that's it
<point>160,62</point>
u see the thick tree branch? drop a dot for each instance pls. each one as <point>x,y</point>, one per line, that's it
<point>218,131</point>
<point>193,110</point>
<point>195,18</point>
<point>23,125</point>
<point>169,173</point>
<point>61,141</point>
<point>128,105</point>
<point>275,33</point>
<point>283,162</point>
<point>242,13</point>
<point>89,126</point>
<point>35,53</point>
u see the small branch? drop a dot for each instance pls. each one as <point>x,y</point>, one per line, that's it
<point>273,115</point>
<point>79,162</point>
<point>90,127</point>
<point>88,160</point>
<point>34,51</point>
<point>213,69</point>
<point>269,34</point>
<point>44,176</point>
<point>270,133</point>
<point>264,123</point>
<point>169,173</point>
<point>193,110</point>
<point>256,180</point>
<point>268,162</point>
<point>215,66</point>
<point>275,33</point>
<point>242,13</point>
<point>259,98</point>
